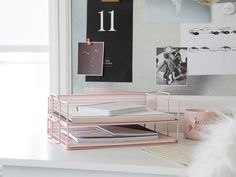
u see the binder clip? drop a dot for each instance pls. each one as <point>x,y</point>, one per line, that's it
<point>88,41</point>
<point>110,1</point>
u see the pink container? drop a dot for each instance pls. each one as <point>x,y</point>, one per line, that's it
<point>193,121</point>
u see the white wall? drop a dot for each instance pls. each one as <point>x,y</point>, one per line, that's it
<point>59,46</point>
<point>0,170</point>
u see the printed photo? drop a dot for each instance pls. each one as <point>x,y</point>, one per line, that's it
<point>90,58</point>
<point>171,66</point>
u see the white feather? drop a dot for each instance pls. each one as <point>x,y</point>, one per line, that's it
<point>215,156</point>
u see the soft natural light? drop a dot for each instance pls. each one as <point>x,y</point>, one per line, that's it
<point>24,22</point>
<point>24,87</point>
<point>24,67</point>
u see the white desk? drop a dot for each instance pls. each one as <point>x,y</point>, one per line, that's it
<point>25,151</point>
<point>36,156</point>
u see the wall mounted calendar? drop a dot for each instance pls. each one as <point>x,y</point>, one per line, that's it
<point>113,24</point>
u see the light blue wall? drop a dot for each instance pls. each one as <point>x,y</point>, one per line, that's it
<point>146,36</point>
<point>79,16</point>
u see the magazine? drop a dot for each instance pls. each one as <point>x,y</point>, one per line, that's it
<point>101,134</point>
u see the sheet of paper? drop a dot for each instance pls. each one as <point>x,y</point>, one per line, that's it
<point>180,153</point>
<point>165,11</point>
<point>212,46</point>
<point>218,15</point>
<point>77,117</point>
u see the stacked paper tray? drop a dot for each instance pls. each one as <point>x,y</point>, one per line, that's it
<point>63,114</point>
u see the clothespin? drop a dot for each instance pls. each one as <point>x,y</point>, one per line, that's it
<point>88,41</point>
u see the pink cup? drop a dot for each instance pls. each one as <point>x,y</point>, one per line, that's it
<point>193,121</point>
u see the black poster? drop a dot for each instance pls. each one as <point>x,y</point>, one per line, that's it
<point>112,23</point>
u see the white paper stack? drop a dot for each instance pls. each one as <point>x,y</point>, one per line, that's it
<point>110,109</point>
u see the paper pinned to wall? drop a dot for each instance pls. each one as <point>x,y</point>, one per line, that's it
<point>212,46</point>
<point>90,58</point>
<point>171,66</point>
<point>186,11</point>
<point>219,16</point>
<point>113,24</point>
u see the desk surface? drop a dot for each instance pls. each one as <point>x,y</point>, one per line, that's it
<point>24,143</point>
<point>34,150</point>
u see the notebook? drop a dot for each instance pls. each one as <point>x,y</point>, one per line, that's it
<point>127,130</point>
<point>76,116</point>
<point>100,135</point>
<point>112,108</point>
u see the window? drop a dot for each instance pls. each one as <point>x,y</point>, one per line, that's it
<point>24,22</point>
<point>24,64</point>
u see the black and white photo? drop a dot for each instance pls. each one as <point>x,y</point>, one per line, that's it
<point>171,66</point>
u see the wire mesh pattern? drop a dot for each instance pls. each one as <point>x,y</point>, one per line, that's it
<point>59,110</point>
